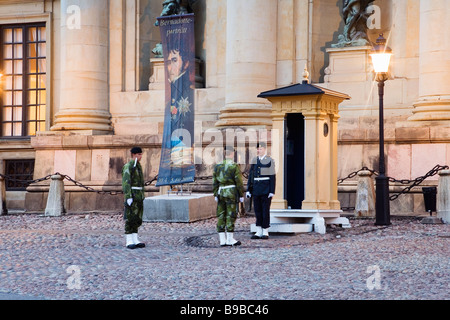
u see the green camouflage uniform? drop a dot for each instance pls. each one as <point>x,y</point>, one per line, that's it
<point>133,177</point>
<point>227,174</point>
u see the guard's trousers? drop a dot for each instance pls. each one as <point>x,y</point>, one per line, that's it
<point>133,217</point>
<point>261,206</point>
<point>226,215</point>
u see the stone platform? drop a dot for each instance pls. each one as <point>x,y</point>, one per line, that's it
<point>179,208</point>
<point>298,221</point>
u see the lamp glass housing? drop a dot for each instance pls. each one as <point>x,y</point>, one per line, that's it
<point>380,61</point>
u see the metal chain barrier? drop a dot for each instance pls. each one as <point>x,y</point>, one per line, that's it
<point>78,184</point>
<point>414,183</point>
<point>355,173</point>
<point>26,182</point>
<point>90,189</point>
<point>87,188</point>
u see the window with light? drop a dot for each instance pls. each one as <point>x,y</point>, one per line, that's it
<point>23,81</point>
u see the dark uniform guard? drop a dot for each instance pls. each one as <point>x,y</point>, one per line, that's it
<point>134,194</point>
<point>228,190</point>
<point>261,186</point>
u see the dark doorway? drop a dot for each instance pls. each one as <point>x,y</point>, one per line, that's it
<point>295,160</point>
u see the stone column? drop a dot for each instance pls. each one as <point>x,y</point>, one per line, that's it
<point>434,77</point>
<point>215,43</point>
<point>84,104</point>
<point>286,74</point>
<point>251,62</point>
<point>302,36</point>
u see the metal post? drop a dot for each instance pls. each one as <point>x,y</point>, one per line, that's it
<point>382,182</point>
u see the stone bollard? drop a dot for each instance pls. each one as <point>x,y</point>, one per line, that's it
<point>443,196</point>
<point>3,209</point>
<point>365,195</point>
<point>55,201</point>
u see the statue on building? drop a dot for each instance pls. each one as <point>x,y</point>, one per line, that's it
<point>176,7</point>
<point>157,51</point>
<point>355,18</point>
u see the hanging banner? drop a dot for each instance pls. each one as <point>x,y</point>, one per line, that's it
<point>178,44</point>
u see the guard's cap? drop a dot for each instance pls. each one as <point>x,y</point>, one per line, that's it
<point>261,145</point>
<point>229,149</point>
<point>136,150</point>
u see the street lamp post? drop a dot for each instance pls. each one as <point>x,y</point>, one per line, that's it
<point>381,56</point>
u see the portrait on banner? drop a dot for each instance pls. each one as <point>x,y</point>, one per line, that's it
<point>177,163</point>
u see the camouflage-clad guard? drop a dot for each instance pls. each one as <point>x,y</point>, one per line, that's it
<point>133,189</point>
<point>228,190</point>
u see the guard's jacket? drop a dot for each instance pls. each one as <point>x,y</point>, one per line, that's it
<point>261,180</point>
<point>227,181</point>
<point>133,181</point>
<point>133,188</point>
<point>228,188</point>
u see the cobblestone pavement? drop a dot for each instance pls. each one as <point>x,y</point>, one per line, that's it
<point>83,256</point>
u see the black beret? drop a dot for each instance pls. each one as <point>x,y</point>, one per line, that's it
<point>136,150</point>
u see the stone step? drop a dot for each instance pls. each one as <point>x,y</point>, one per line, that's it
<point>287,228</point>
<point>297,221</point>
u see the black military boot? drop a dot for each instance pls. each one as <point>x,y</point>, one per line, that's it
<point>137,242</point>
<point>130,244</point>
<point>231,241</point>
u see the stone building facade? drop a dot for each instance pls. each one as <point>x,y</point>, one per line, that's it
<point>80,86</point>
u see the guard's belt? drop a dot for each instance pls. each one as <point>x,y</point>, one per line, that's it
<point>262,179</point>
<point>227,187</point>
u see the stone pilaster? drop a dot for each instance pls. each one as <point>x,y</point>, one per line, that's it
<point>84,104</point>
